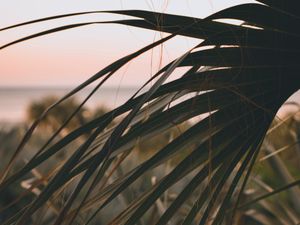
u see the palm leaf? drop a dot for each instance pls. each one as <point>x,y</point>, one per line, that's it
<point>240,76</point>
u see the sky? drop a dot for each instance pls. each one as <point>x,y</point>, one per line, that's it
<point>70,57</point>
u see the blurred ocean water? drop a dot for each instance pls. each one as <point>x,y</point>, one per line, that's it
<point>14,101</point>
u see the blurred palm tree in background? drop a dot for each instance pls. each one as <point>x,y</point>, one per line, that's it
<point>57,115</point>
<point>235,81</point>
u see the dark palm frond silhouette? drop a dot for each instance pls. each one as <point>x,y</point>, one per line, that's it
<point>240,75</point>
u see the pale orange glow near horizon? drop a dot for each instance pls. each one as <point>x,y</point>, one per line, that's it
<point>70,57</point>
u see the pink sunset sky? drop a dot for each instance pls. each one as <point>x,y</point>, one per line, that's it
<point>70,57</point>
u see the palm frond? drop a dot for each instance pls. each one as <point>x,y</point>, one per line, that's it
<point>239,77</point>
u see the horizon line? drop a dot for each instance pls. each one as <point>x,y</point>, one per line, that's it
<point>60,87</point>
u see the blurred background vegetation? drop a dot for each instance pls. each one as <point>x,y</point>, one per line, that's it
<point>278,164</point>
